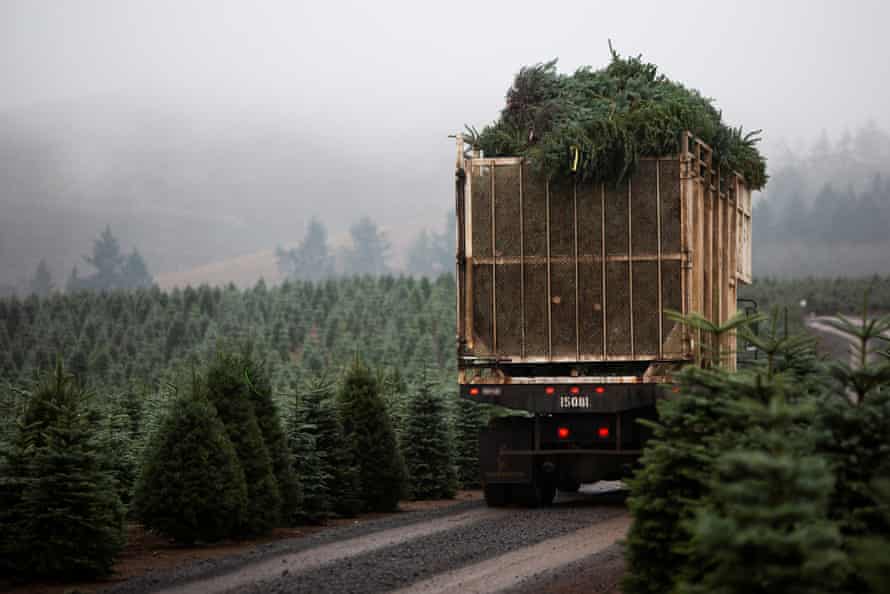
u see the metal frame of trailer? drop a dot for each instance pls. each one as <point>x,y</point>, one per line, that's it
<point>562,291</point>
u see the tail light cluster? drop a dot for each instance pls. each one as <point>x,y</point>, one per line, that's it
<point>574,390</point>
<point>564,432</point>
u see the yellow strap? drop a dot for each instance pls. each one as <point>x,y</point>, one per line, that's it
<point>576,154</point>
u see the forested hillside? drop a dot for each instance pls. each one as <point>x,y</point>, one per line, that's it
<point>826,211</point>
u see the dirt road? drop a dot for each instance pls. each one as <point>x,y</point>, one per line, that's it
<point>463,548</point>
<point>838,345</point>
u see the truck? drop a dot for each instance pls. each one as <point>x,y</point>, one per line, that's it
<point>563,293</point>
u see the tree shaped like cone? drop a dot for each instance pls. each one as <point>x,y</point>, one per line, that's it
<point>61,514</point>
<point>427,447</point>
<point>192,486</point>
<point>371,440</point>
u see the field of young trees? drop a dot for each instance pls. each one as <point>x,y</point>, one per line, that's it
<point>308,400</point>
<point>270,396</point>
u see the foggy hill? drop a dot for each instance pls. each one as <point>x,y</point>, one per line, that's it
<point>191,191</point>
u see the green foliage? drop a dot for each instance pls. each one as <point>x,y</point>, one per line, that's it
<point>192,487</point>
<point>427,447</point>
<point>42,283</point>
<point>370,250</point>
<point>321,456</point>
<point>371,440</point>
<point>470,420</point>
<point>612,117</point>
<point>228,391</point>
<point>870,552</point>
<point>114,270</point>
<point>765,525</point>
<point>259,386</point>
<point>312,259</point>
<point>60,512</point>
<point>764,480</point>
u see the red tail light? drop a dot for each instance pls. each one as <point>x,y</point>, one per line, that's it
<point>600,390</point>
<point>474,391</point>
<point>563,432</point>
<point>575,390</point>
<point>603,432</point>
<point>549,390</point>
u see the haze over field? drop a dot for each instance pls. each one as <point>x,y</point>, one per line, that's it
<point>204,131</point>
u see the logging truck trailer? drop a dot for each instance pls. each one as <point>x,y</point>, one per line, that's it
<point>562,292</point>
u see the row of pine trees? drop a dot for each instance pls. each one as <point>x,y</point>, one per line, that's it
<point>772,479</point>
<point>219,461</point>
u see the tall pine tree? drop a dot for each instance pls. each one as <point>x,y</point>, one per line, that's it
<point>427,447</point>
<point>192,486</point>
<point>228,391</point>
<point>371,439</point>
<point>61,513</point>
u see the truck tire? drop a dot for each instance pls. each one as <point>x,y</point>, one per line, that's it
<point>546,493</point>
<point>495,495</point>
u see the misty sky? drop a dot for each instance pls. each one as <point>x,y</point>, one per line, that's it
<point>376,87</point>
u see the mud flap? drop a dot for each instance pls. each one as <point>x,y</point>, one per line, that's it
<point>503,434</point>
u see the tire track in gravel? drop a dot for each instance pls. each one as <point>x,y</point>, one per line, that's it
<point>330,553</point>
<point>510,570</point>
<point>207,569</point>
<point>484,544</point>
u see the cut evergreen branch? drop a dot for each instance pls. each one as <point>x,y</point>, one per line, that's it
<point>610,118</point>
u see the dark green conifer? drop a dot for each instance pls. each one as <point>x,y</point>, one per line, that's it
<point>227,390</point>
<point>468,424</point>
<point>192,486</point>
<point>371,439</point>
<point>260,391</point>
<point>765,525</point>
<point>61,514</point>
<point>427,447</point>
<point>307,457</point>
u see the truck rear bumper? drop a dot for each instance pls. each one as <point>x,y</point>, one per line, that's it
<point>565,398</point>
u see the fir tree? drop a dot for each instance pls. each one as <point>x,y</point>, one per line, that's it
<point>42,283</point>
<point>371,440</point>
<point>260,391</point>
<point>107,260</point>
<point>134,272</point>
<point>307,462</point>
<point>228,392</point>
<point>468,424</point>
<point>345,491</point>
<point>370,249</point>
<point>61,514</point>
<point>427,448</point>
<point>766,528</point>
<point>192,487</point>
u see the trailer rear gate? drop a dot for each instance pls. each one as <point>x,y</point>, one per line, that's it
<point>582,272</point>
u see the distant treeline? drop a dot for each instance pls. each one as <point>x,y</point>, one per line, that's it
<point>827,213</point>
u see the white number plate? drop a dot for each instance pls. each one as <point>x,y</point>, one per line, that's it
<point>574,402</point>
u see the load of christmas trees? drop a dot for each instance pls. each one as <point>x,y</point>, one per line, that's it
<point>596,124</point>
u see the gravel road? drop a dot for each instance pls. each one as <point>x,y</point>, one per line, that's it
<point>463,548</point>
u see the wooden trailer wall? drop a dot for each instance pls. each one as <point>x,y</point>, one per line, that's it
<point>571,272</point>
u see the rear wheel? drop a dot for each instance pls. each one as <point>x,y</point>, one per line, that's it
<point>546,494</point>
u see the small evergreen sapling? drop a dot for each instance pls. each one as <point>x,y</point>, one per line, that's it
<point>371,440</point>
<point>227,390</point>
<point>469,423</point>
<point>427,447</point>
<point>61,513</point>
<point>192,487</point>
<point>260,390</point>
